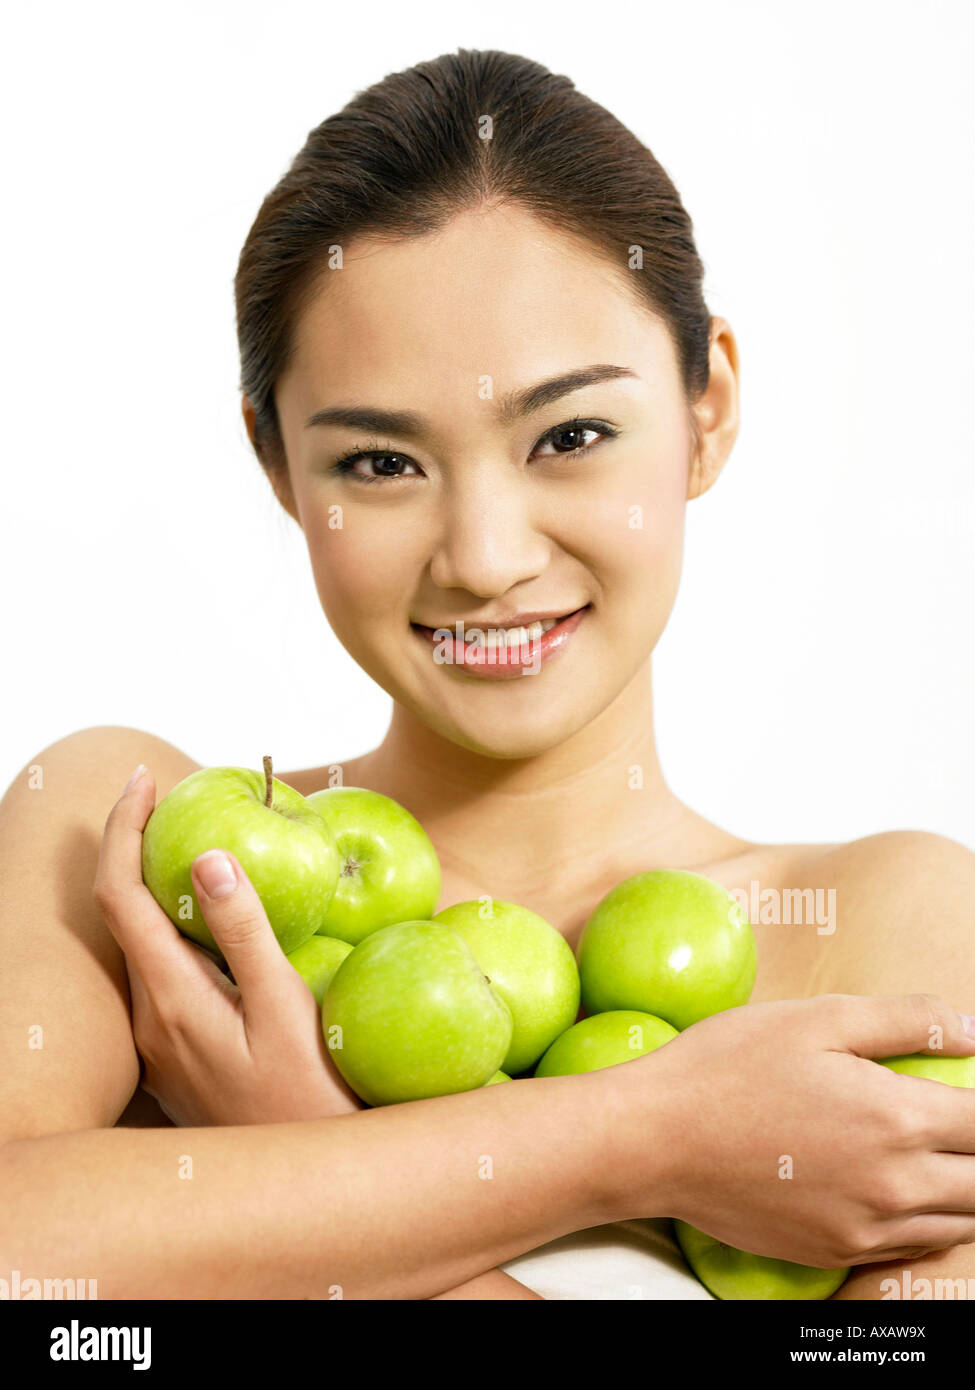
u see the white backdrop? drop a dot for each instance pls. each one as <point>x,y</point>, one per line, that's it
<point>816,681</point>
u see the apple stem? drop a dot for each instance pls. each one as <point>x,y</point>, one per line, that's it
<point>267,779</point>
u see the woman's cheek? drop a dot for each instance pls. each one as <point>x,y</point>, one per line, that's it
<point>636,540</point>
<point>642,522</point>
<point>356,574</point>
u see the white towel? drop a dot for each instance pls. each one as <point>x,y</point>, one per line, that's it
<point>628,1259</point>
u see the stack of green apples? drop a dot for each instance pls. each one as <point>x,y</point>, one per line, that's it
<point>413,1004</point>
<point>417,1003</point>
<point>662,950</point>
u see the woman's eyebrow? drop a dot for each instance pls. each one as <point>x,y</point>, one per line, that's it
<point>512,406</point>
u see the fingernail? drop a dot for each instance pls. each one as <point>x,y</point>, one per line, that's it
<point>969,1024</point>
<point>134,778</point>
<point>216,873</point>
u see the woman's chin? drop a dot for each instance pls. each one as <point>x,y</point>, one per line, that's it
<point>509,739</point>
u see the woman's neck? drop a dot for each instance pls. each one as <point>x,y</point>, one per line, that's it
<point>548,823</point>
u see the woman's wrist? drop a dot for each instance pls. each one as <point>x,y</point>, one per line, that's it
<point>643,1140</point>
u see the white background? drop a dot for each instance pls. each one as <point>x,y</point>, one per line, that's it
<point>816,680</point>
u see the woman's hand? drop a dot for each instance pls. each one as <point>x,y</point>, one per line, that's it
<point>783,1139</point>
<point>215,1052</point>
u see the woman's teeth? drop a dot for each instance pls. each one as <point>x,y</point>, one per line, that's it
<point>495,637</point>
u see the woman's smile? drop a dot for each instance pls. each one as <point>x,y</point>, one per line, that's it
<point>499,653</point>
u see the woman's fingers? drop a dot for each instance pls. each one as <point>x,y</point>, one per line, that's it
<point>236,917</point>
<point>892,1025</point>
<point>950,1120</point>
<point>162,957</point>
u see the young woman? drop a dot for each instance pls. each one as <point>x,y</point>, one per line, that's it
<point>480,375</point>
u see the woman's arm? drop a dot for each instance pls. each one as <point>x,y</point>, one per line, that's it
<point>67,1056</point>
<point>400,1202</point>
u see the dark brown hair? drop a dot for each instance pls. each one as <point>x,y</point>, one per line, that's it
<point>406,154</point>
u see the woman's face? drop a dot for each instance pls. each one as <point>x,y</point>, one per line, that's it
<point>477,511</point>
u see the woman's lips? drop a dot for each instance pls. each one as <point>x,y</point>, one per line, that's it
<point>499,662</point>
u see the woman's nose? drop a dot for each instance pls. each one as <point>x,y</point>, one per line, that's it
<point>491,536</point>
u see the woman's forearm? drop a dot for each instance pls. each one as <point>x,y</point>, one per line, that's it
<point>404,1201</point>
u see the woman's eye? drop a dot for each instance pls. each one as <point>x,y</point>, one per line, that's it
<point>385,465</point>
<point>574,433</point>
<point>377,464</point>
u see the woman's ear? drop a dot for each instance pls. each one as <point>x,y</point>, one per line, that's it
<point>276,471</point>
<point>715,414</point>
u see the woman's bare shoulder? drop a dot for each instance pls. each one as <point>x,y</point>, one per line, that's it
<point>890,912</point>
<point>101,753</point>
<point>66,975</point>
<point>884,859</point>
<point>869,876</point>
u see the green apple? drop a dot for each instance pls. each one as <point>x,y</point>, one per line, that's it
<point>604,1040</point>
<point>498,1076</point>
<point>732,1274</point>
<point>389,869</point>
<point>667,942</point>
<point>316,961</point>
<point>283,845</point>
<point>953,1071</point>
<point>409,1014</point>
<point>529,963</point>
